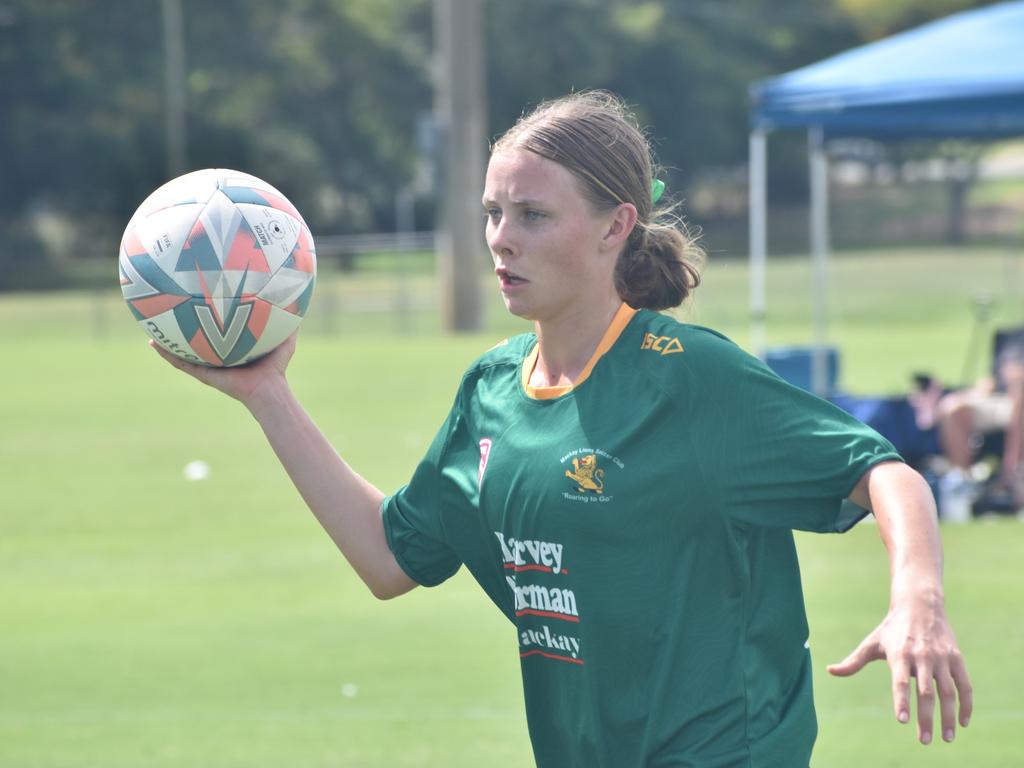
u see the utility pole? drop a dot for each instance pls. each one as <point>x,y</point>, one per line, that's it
<point>174,86</point>
<point>461,115</point>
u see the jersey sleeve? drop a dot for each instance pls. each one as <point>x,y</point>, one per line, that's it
<point>413,516</point>
<point>780,456</point>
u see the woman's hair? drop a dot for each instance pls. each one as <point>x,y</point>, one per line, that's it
<point>595,136</point>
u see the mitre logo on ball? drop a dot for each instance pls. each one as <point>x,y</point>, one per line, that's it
<point>218,267</point>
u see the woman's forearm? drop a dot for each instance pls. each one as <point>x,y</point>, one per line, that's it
<point>904,508</point>
<point>347,505</point>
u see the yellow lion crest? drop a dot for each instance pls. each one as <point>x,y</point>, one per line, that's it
<point>586,474</point>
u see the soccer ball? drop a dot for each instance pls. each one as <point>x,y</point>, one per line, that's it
<point>218,267</point>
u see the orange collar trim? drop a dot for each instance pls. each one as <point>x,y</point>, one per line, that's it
<point>619,322</point>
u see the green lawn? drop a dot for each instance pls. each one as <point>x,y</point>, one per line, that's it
<point>149,620</point>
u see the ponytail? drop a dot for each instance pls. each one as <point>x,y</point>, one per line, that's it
<point>660,266</point>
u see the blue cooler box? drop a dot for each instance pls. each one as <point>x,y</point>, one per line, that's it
<point>794,365</point>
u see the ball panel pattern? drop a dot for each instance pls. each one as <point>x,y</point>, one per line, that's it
<point>218,267</point>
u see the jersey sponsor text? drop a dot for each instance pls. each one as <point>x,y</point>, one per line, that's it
<point>535,600</point>
<point>530,554</point>
<point>552,645</point>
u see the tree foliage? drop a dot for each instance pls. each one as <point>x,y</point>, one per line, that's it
<point>686,67</point>
<point>879,18</point>
<point>322,97</point>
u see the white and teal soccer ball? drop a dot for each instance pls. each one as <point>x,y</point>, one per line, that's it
<point>218,267</point>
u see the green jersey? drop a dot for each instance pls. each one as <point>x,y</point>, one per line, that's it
<point>637,530</point>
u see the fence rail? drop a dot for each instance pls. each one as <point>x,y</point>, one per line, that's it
<point>344,246</point>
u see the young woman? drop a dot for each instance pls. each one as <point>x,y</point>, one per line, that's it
<point>624,486</point>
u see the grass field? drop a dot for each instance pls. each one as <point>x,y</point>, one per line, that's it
<point>146,620</point>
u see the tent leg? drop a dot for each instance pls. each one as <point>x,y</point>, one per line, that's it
<point>818,163</point>
<point>757,207</point>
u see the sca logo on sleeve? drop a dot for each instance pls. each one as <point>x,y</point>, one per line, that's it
<point>663,345</point>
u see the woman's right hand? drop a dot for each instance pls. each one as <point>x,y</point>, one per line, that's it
<point>243,382</point>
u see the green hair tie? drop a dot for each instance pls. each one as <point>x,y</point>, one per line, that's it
<point>657,190</point>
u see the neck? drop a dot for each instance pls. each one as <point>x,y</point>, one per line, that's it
<point>565,345</point>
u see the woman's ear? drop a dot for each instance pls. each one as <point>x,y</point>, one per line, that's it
<point>620,226</point>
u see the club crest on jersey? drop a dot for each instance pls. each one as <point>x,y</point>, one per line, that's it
<point>587,474</point>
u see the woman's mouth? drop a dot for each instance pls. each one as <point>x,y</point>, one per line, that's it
<point>509,280</point>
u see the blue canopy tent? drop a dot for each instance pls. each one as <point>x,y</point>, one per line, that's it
<point>959,77</point>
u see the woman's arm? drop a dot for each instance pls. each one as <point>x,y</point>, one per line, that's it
<point>915,637</point>
<point>347,506</point>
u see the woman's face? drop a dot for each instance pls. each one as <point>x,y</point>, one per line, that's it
<point>553,254</point>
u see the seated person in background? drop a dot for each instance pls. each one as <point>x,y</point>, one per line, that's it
<point>992,405</point>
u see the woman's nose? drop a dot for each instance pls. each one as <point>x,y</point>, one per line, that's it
<point>498,239</point>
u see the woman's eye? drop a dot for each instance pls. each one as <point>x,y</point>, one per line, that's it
<point>493,214</point>
<point>531,215</point>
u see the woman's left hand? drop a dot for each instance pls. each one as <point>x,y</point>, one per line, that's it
<point>915,638</point>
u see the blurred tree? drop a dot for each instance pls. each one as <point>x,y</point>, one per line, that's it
<point>79,103</point>
<point>320,100</point>
<point>80,126</point>
<point>686,67</point>
<point>322,97</point>
<point>317,96</point>
<point>879,18</point>
<point>707,55</point>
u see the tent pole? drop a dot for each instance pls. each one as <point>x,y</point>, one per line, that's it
<point>818,163</point>
<point>757,208</point>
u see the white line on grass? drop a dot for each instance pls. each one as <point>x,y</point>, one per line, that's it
<point>346,713</point>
